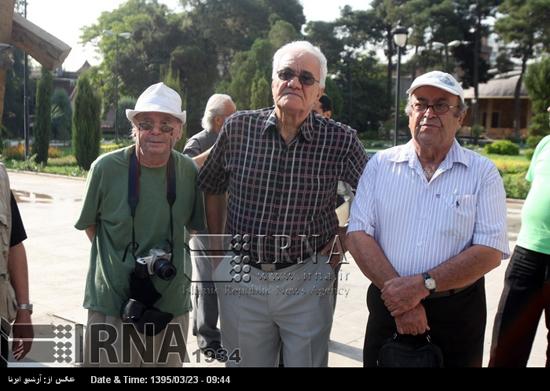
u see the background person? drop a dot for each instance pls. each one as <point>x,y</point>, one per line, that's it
<point>526,293</point>
<point>205,300</point>
<point>15,306</point>
<point>121,236</point>
<point>427,223</point>
<point>323,106</point>
<point>273,173</point>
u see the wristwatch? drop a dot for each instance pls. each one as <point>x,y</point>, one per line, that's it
<point>429,282</point>
<point>25,307</point>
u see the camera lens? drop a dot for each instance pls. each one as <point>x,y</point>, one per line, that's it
<point>164,269</point>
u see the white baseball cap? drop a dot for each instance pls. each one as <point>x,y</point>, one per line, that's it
<point>440,80</point>
<point>158,98</point>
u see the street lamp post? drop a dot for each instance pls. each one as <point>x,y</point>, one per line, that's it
<point>126,36</point>
<point>400,38</point>
<point>446,46</point>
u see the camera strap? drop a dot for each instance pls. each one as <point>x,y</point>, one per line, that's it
<point>133,197</point>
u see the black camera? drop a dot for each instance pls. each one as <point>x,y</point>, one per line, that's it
<point>157,263</point>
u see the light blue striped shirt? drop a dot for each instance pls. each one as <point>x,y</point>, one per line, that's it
<point>420,224</point>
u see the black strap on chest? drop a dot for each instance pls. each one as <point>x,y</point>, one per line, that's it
<point>133,197</point>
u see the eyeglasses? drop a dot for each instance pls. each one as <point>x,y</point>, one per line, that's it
<point>305,79</point>
<point>440,108</point>
<point>165,128</point>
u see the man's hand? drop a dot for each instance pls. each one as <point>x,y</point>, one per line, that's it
<point>412,322</point>
<point>23,335</point>
<point>401,294</point>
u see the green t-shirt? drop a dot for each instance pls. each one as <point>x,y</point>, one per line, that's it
<point>105,205</point>
<point>534,233</point>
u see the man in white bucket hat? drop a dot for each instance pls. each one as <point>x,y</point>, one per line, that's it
<point>139,208</point>
<point>427,223</point>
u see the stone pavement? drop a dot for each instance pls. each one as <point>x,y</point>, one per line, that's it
<point>58,261</point>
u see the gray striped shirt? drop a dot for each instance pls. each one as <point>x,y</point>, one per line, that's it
<point>420,224</point>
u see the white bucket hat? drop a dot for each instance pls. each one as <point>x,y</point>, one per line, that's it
<point>440,80</point>
<point>158,98</point>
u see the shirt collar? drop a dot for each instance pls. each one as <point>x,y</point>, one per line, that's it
<point>305,131</point>
<point>456,154</point>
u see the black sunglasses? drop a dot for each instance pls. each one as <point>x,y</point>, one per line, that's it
<point>148,126</point>
<point>305,79</point>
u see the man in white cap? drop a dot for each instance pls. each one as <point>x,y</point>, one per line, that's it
<point>428,222</point>
<point>139,208</point>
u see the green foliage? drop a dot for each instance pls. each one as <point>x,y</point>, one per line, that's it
<point>504,147</point>
<point>516,186</point>
<point>13,114</point>
<point>512,169</point>
<point>172,80</point>
<point>260,92</point>
<point>533,141</point>
<point>86,123</point>
<point>43,118</point>
<point>125,126</point>
<point>363,93</point>
<point>253,64</point>
<point>333,91</point>
<point>62,114</point>
<point>537,83</point>
<point>282,33</point>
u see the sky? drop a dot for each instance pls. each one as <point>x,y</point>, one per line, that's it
<point>65,18</point>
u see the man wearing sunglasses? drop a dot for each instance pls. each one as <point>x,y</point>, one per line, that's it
<point>427,223</point>
<point>139,208</point>
<point>273,173</point>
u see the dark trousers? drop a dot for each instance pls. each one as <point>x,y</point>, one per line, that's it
<point>457,325</point>
<point>525,296</point>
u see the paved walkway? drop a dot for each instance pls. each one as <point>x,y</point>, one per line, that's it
<point>58,261</point>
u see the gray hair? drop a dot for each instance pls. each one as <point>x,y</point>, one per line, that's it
<point>214,107</point>
<point>462,107</point>
<point>302,47</point>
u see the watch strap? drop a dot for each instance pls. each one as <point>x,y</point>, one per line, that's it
<point>25,306</point>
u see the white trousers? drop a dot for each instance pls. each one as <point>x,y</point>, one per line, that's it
<point>260,311</point>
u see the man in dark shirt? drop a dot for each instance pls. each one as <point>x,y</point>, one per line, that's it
<point>274,173</point>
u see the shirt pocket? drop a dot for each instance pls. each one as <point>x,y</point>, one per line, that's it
<point>456,215</point>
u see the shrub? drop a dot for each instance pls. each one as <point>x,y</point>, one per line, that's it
<point>504,147</point>
<point>533,141</point>
<point>15,153</point>
<point>18,152</point>
<point>516,186</point>
<point>529,153</point>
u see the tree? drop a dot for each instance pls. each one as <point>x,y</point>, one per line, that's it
<point>363,92</point>
<point>260,92</point>
<point>62,114</point>
<point>525,26</point>
<point>86,123</point>
<point>172,80</point>
<point>124,103</point>
<point>155,33</point>
<point>537,83</point>
<point>13,115</point>
<point>43,119</point>
<point>247,67</point>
